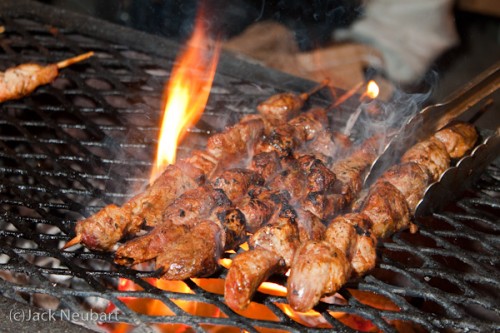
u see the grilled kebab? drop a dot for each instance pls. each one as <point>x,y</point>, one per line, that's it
<point>104,229</point>
<point>273,246</point>
<point>19,81</point>
<point>248,212</point>
<point>348,249</point>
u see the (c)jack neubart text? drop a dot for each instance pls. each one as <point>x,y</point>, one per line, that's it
<point>22,315</point>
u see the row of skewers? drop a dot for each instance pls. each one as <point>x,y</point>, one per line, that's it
<point>275,180</point>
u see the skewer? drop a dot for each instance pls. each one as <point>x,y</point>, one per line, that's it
<point>321,85</point>
<point>72,242</point>
<point>352,120</point>
<point>19,81</point>
<point>71,61</point>
<point>348,94</point>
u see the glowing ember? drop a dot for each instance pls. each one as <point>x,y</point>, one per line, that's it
<point>186,95</point>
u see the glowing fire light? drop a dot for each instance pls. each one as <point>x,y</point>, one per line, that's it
<point>372,89</point>
<point>185,99</point>
<point>186,95</point>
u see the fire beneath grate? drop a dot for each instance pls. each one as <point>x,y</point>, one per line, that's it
<point>87,140</point>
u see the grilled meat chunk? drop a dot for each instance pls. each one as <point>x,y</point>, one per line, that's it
<point>20,81</point>
<point>286,138</point>
<point>346,247</point>
<point>142,249</point>
<point>319,178</point>
<point>387,209</point>
<point>350,170</point>
<point>403,174</point>
<point>235,141</point>
<point>327,264</point>
<point>274,243</point>
<point>279,108</point>
<point>310,226</point>
<point>181,259</point>
<point>104,229</point>
<point>236,182</point>
<point>241,283</point>
<point>429,154</point>
<point>327,144</point>
<point>194,204</point>
<point>308,125</point>
<point>266,164</point>
<point>458,138</point>
<point>260,205</point>
<point>280,235</point>
<point>188,210</point>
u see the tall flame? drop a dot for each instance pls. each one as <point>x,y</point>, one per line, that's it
<point>186,94</point>
<point>185,98</point>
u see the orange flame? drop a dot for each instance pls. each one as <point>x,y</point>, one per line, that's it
<point>186,95</point>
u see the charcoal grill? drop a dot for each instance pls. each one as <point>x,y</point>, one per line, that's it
<point>87,140</point>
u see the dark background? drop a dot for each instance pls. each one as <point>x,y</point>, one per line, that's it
<point>312,22</point>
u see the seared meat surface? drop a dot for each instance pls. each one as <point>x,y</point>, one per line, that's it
<point>279,108</point>
<point>431,155</point>
<point>238,202</point>
<point>317,191</point>
<point>348,248</point>
<point>150,206</point>
<point>103,230</point>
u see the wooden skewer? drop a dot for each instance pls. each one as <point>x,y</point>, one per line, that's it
<point>71,61</point>
<point>305,96</point>
<point>348,94</point>
<point>72,242</point>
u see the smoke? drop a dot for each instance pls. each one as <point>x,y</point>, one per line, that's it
<point>387,117</point>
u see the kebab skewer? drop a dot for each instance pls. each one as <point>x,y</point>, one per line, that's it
<point>193,207</point>
<point>349,245</point>
<point>273,247</point>
<point>104,229</point>
<point>19,81</point>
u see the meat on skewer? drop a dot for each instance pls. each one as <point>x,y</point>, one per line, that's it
<point>283,220</point>
<point>255,212</point>
<point>19,81</point>
<point>235,184</point>
<point>104,229</point>
<point>279,108</point>
<point>280,238</point>
<point>186,212</point>
<point>322,267</point>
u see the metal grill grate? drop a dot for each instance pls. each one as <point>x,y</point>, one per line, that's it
<point>87,140</point>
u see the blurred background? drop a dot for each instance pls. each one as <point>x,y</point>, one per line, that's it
<point>414,45</point>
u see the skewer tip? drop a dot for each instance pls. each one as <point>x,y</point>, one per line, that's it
<point>71,61</point>
<point>321,85</point>
<point>72,242</point>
